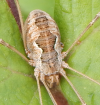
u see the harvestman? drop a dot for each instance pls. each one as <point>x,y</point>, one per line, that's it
<point>43,47</point>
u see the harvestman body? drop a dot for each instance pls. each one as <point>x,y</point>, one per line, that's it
<point>42,44</point>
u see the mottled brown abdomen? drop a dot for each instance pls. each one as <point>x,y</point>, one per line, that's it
<point>43,31</point>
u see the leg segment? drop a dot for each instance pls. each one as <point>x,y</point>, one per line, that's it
<point>43,81</point>
<point>65,65</point>
<point>64,54</point>
<point>21,21</point>
<point>78,95</point>
<point>38,84</point>
<point>31,62</point>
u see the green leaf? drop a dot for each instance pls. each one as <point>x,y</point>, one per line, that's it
<point>72,18</point>
<point>16,82</point>
<point>17,85</point>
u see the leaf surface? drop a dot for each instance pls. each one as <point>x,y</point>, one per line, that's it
<point>17,83</point>
<point>72,18</point>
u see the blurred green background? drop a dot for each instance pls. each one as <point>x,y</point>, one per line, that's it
<point>28,5</point>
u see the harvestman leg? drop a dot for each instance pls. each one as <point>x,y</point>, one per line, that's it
<point>64,54</point>
<point>78,95</point>
<point>65,65</point>
<point>38,83</point>
<point>42,78</point>
<point>13,49</point>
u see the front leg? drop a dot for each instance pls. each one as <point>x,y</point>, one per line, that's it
<point>65,65</point>
<point>64,54</point>
<point>31,62</point>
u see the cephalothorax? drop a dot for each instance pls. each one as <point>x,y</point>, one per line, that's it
<point>42,44</point>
